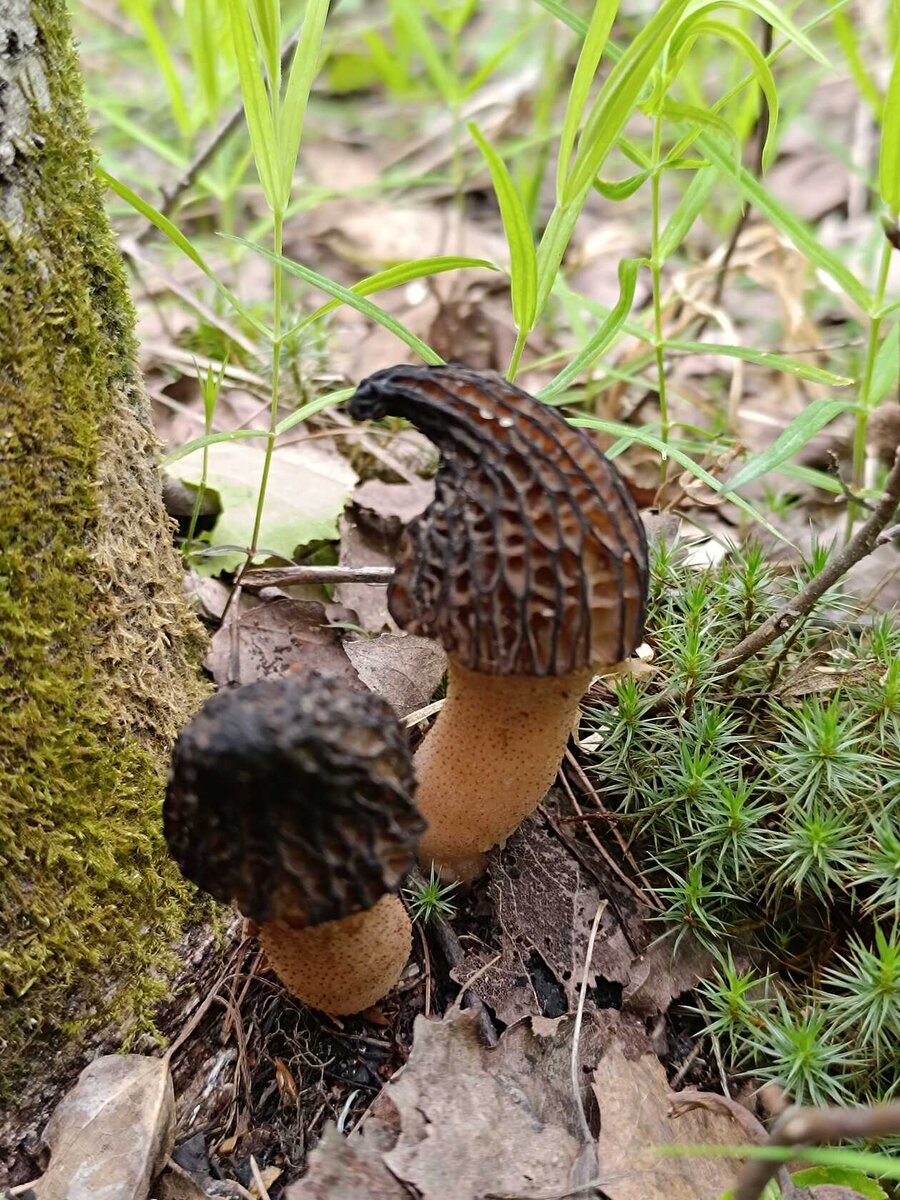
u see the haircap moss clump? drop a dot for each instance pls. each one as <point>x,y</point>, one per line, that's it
<point>767,805</point>
<point>292,797</point>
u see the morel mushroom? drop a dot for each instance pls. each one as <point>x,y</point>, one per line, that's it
<point>530,566</point>
<point>292,797</point>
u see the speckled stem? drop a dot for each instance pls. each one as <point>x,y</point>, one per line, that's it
<point>342,966</point>
<point>489,760</point>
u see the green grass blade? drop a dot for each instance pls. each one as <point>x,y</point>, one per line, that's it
<point>314,406</point>
<point>762,72</point>
<point>588,355</point>
<point>592,47</point>
<point>775,15</point>
<point>257,110</point>
<point>639,433</point>
<point>408,16</point>
<point>688,209</point>
<point>845,32</point>
<point>795,230</point>
<point>763,358</point>
<point>141,12</point>
<point>887,366</point>
<point>210,439</point>
<point>265,21</point>
<point>813,418</point>
<point>522,256</point>
<point>174,234</point>
<point>205,50</point>
<point>331,288</point>
<point>296,97</point>
<point>396,276</point>
<point>889,165</point>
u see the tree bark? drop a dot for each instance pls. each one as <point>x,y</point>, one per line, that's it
<point>98,650</point>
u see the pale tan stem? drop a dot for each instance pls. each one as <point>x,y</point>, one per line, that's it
<point>342,966</point>
<point>489,760</point>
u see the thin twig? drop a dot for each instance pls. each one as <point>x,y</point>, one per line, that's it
<point>816,1127</point>
<point>287,576</point>
<point>258,1180</point>
<point>586,1135</point>
<point>860,545</point>
<point>755,1130</point>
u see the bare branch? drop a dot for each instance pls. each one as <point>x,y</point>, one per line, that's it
<point>860,545</point>
<point>816,1127</point>
<point>288,576</point>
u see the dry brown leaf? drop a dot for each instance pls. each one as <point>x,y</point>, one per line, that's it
<point>465,1128</point>
<point>664,972</point>
<point>405,670</point>
<point>112,1133</point>
<point>345,1170</point>
<point>543,907</point>
<point>633,1097</point>
<point>279,636</point>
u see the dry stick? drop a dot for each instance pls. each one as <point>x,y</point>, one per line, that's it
<point>586,1135</point>
<point>860,545</point>
<point>814,1127</point>
<point>689,1098</point>
<point>262,577</point>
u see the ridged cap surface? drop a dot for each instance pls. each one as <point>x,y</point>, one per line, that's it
<point>532,558</point>
<point>292,797</point>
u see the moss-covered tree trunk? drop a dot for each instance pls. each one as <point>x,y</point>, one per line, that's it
<point>98,652</point>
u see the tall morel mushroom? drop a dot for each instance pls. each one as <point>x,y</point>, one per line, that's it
<point>530,566</point>
<point>292,797</point>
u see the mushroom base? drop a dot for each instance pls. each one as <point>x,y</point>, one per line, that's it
<point>489,760</point>
<point>342,966</point>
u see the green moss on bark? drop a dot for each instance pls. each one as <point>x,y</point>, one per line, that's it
<point>98,653</point>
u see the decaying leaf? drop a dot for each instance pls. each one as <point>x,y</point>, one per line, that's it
<point>404,669</point>
<point>343,1169</point>
<point>543,906</point>
<point>112,1133</point>
<point>279,636</point>
<point>370,536</point>
<point>305,494</point>
<point>633,1098</point>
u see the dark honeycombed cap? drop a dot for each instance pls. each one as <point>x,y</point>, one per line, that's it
<point>532,557</point>
<point>293,797</point>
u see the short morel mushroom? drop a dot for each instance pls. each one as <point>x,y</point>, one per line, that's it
<point>530,567</point>
<point>292,797</point>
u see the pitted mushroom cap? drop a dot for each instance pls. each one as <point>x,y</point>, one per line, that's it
<point>532,557</point>
<point>292,797</point>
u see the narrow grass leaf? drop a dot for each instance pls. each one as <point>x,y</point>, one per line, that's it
<point>314,406</point>
<point>257,110</point>
<point>623,188</point>
<point>688,209</point>
<point>592,47</point>
<point>408,15</point>
<point>639,433</point>
<point>588,355</point>
<point>516,226</point>
<point>764,358</point>
<point>794,229</point>
<point>813,418</point>
<point>884,1166</point>
<point>296,97</point>
<point>575,22</point>
<point>265,19</point>
<point>211,439</point>
<point>846,34</point>
<point>887,366</point>
<point>762,72</point>
<point>396,276</point>
<point>700,119</point>
<point>174,234</point>
<point>201,29</point>
<point>141,12</point>
<point>889,166</point>
<point>331,288</point>
<point>775,15</point>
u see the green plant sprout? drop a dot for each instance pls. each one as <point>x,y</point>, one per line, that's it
<point>429,899</point>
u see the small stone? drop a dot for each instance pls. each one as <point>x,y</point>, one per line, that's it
<point>112,1133</point>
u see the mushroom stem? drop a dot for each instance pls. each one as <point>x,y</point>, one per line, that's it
<point>489,760</point>
<point>342,966</point>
